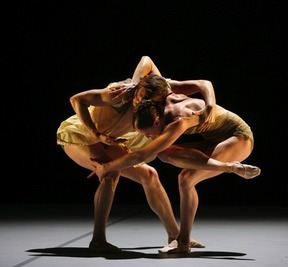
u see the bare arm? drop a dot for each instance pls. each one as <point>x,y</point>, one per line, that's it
<point>145,66</point>
<point>162,142</point>
<point>101,97</point>
<point>190,87</point>
<point>81,102</point>
<point>207,90</point>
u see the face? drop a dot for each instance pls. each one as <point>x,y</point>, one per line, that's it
<point>139,95</point>
<point>153,131</point>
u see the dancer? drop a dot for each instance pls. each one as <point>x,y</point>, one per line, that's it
<point>102,129</point>
<point>226,142</point>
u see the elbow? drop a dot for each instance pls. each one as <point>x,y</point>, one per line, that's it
<point>146,58</point>
<point>205,83</point>
<point>73,100</point>
<point>77,101</point>
<point>147,61</point>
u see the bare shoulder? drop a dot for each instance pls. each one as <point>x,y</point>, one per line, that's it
<point>174,98</point>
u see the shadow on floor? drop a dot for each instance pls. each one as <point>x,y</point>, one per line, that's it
<point>127,254</point>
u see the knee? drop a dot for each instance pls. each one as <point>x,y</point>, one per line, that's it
<point>186,179</point>
<point>151,177</point>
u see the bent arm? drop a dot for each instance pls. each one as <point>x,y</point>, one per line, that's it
<point>80,103</point>
<point>103,97</point>
<point>145,66</point>
<point>162,142</point>
<point>207,90</point>
<point>190,87</point>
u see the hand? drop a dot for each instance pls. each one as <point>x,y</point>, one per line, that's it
<point>116,90</point>
<point>108,175</point>
<point>99,170</point>
<point>114,141</point>
<point>110,140</point>
<point>123,92</point>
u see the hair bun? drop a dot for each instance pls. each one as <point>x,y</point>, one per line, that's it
<point>144,104</point>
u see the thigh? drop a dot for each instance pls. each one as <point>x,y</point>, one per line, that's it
<point>82,154</point>
<point>234,148</point>
<point>186,151</point>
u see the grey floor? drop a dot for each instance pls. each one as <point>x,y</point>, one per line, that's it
<point>58,235</point>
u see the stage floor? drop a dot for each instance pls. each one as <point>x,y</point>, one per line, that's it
<point>58,235</point>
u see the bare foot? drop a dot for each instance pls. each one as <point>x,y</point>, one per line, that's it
<point>103,247</point>
<point>244,170</point>
<point>175,248</point>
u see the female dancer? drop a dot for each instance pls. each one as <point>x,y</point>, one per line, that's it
<point>227,138</point>
<point>102,129</point>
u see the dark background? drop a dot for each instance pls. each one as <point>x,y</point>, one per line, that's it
<point>55,50</point>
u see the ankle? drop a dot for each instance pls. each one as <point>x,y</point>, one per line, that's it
<point>231,167</point>
<point>170,239</point>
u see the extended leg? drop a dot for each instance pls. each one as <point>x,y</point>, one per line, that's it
<point>191,158</point>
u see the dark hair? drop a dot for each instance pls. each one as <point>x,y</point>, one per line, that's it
<point>156,87</point>
<point>146,113</point>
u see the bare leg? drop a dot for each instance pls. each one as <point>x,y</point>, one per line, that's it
<point>189,204</point>
<point>104,194</point>
<point>194,159</point>
<point>157,199</point>
<point>234,148</point>
<point>103,200</point>
<point>144,175</point>
<point>156,196</point>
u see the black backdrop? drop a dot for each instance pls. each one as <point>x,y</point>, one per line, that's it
<point>55,50</point>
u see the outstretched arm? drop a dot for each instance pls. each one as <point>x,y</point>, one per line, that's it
<point>162,142</point>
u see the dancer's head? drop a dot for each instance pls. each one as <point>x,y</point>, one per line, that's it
<point>148,118</point>
<point>152,87</point>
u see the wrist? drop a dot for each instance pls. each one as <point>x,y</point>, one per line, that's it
<point>105,168</point>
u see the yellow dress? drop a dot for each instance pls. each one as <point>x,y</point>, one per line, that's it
<point>111,121</point>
